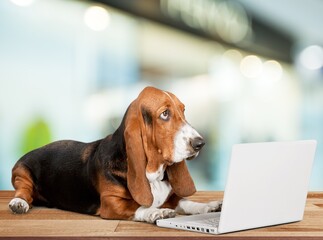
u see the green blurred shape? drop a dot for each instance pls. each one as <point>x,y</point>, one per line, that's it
<point>37,134</point>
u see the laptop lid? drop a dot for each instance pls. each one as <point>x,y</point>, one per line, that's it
<point>267,184</point>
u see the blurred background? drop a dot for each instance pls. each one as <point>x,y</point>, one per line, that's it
<point>247,71</point>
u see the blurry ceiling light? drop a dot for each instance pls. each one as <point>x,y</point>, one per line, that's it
<point>272,70</point>
<point>233,54</point>
<point>251,66</point>
<point>97,18</point>
<point>233,23</point>
<point>312,57</point>
<point>23,3</point>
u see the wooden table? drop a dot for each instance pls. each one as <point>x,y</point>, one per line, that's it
<point>54,223</point>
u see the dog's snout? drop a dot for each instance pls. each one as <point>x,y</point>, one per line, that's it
<point>197,143</point>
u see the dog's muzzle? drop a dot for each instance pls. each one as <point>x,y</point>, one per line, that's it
<point>197,143</point>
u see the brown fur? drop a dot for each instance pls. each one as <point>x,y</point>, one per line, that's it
<point>116,201</point>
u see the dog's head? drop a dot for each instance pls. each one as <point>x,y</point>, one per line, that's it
<point>157,136</point>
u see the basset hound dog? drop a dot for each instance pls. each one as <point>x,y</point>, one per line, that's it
<point>137,173</point>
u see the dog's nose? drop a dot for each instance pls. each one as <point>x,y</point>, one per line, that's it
<point>197,143</point>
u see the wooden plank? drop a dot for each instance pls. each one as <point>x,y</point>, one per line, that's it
<point>50,222</point>
<point>57,227</point>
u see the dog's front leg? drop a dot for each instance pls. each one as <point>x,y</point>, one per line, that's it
<point>117,207</point>
<point>189,207</point>
<point>151,214</point>
<point>185,206</point>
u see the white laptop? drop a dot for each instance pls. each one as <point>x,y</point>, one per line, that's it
<point>267,185</point>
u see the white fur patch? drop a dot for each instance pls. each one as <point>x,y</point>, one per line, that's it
<point>182,146</point>
<point>189,207</point>
<point>18,205</point>
<point>152,214</point>
<point>159,189</point>
<point>158,175</point>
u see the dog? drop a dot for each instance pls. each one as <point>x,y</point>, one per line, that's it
<point>137,173</point>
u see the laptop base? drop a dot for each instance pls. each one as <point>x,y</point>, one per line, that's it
<point>194,223</point>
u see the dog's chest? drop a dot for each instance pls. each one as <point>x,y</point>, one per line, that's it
<point>159,189</point>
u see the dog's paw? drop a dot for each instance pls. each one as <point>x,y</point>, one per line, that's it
<point>214,206</point>
<point>151,215</point>
<point>189,207</point>
<point>161,214</point>
<point>204,208</point>
<point>18,205</point>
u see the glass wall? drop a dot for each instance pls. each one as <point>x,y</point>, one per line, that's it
<point>69,70</point>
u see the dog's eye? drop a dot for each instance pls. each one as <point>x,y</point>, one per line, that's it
<point>165,115</point>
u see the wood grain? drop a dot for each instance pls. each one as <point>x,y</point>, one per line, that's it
<point>49,222</point>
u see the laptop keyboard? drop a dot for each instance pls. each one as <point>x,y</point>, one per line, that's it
<point>213,222</point>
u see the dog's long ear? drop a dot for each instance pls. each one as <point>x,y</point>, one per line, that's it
<point>137,181</point>
<point>180,179</point>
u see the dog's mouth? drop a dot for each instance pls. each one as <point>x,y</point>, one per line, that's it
<point>192,156</point>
